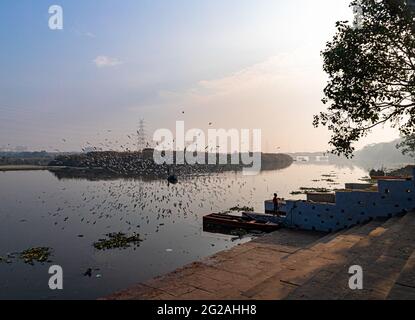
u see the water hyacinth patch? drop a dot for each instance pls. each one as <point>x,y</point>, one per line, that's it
<point>33,255</point>
<point>242,209</point>
<point>117,241</point>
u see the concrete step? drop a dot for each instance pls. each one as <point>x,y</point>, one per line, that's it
<point>299,265</point>
<point>376,253</point>
<point>404,287</point>
<point>344,240</point>
<point>296,269</point>
<point>359,229</point>
<point>226,274</point>
<point>384,258</point>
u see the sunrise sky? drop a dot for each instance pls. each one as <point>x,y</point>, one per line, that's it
<point>234,63</point>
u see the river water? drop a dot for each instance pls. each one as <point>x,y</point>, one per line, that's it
<point>38,209</point>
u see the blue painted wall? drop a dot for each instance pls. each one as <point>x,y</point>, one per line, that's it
<point>351,207</point>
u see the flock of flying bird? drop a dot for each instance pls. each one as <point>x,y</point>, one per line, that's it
<point>137,196</point>
<point>134,205</point>
<point>135,202</point>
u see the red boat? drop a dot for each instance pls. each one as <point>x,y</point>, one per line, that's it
<point>237,222</point>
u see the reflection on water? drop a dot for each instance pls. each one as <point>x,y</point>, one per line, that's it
<point>69,215</point>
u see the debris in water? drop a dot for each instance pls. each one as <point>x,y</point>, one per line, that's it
<point>117,241</point>
<point>88,273</point>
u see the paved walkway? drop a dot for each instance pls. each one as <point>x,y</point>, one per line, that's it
<point>298,265</point>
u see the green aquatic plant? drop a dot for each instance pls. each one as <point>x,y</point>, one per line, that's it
<point>242,209</point>
<point>328,175</point>
<point>40,254</point>
<point>322,190</point>
<point>117,241</point>
<point>295,193</point>
<point>305,190</point>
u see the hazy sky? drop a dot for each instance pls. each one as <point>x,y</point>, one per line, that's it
<point>235,63</point>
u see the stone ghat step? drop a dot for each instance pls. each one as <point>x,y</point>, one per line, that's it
<point>225,275</point>
<point>297,269</point>
<point>382,254</point>
<point>291,264</point>
<point>404,287</point>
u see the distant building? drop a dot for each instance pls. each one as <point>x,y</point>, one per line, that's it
<point>20,149</point>
<point>322,159</point>
<point>302,159</point>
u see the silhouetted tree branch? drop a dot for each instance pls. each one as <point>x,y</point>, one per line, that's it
<point>371,74</point>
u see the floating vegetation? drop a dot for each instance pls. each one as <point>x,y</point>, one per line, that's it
<point>117,241</point>
<point>242,209</point>
<point>366,179</point>
<point>305,190</point>
<point>322,190</point>
<point>295,193</point>
<point>33,255</point>
<point>329,175</point>
<point>329,180</point>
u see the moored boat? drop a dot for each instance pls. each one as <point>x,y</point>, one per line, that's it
<point>238,222</point>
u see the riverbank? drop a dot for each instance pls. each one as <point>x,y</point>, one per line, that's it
<point>226,275</point>
<point>23,168</point>
<point>290,264</point>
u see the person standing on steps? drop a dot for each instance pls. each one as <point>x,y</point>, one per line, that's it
<point>275,202</point>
